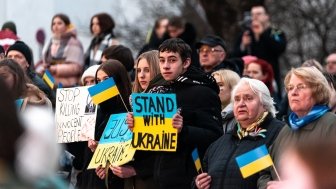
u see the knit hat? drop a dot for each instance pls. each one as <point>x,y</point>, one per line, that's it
<point>90,72</point>
<point>10,26</point>
<point>22,48</point>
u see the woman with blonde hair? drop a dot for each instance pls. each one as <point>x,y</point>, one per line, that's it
<point>226,80</point>
<point>146,68</point>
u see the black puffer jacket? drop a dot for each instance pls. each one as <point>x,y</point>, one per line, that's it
<point>197,96</point>
<point>219,161</point>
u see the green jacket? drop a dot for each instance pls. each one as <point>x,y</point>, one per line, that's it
<point>316,130</point>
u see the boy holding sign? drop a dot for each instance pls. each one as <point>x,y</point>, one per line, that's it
<point>199,122</point>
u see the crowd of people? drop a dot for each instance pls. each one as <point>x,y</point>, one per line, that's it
<point>229,103</point>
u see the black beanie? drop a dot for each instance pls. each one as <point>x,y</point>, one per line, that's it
<point>22,48</point>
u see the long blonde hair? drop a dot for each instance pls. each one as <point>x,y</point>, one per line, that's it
<point>152,57</point>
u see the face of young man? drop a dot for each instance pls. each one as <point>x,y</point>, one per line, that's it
<point>171,65</point>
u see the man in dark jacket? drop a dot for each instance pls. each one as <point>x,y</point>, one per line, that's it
<point>20,52</point>
<point>264,41</point>
<point>197,97</point>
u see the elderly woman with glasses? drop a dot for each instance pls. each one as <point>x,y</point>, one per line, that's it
<point>310,120</point>
<point>256,125</point>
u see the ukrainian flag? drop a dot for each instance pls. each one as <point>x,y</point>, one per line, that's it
<point>254,161</point>
<point>49,79</point>
<point>103,91</point>
<point>196,160</point>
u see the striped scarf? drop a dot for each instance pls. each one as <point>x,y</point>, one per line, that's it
<point>95,57</point>
<point>253,130</point>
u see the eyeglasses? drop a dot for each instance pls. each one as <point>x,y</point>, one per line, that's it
<point>299,87</point>
<point>208,50</point>
<point>331,62</point>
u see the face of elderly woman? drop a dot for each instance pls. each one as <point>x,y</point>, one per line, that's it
<point>247,107</point>
<point>299,96</point>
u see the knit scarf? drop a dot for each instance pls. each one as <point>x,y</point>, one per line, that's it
<point>317,111</point>
<point>253,129</point>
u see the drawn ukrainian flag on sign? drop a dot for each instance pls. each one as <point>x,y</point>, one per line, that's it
<point>254,161</point>
<point>114,144</point>
<point>153,115</point>
<point>103,91</point>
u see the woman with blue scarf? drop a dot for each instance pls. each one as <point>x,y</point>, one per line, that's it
<point>309,121</point>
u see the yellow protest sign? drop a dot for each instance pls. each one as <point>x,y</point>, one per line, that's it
<point>115,143</point>
<point>153,128</point>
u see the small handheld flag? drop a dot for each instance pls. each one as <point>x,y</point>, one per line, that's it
<point>196,160</point>
<point>103,91</point>
<point>49,79</point>
<point>254,161</point>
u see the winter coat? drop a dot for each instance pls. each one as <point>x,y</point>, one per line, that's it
<point>197,96</point>
<point>318,129</point>
<point>219,161</point>
<point>228,119</point>
<point>88,179</point>
<point>271,45</point>
<point>68,59</point>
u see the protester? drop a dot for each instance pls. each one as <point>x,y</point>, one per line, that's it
<point>264,41</point>
<point>331,63</point>
<point>8,35</point>
<point>313,62</point>
<point>199,122</point>
<point>22,54</point>
<point>120,53</point>
<point>88,77</point>
<point>310,120</point>
<point>19,84</point>
<point>212,52</point>
<point>262,70</point>
<point>117,104</point>
<point>140,171</point>
<point>331,78</point>
<point>146,68</point>
<point>226,80</point>
<point>178,27</point>
<point>155,36</point>
<point>63,55</point>
<point>101,27</point>
<point>255,113</point>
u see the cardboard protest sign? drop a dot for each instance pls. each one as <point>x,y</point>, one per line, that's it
<point>75,115</point>
<point>153,128</point>
<point>115,143</point>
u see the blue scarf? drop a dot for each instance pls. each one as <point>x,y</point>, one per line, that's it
<point>317,111</point>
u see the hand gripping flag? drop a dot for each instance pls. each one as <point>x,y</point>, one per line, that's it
<point>254,161</point>
<point>103,91</point>
<point>196,160</point>
<point>49,79</point>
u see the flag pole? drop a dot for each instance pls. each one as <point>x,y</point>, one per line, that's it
<point>276,172</point>
<point>123,102</point>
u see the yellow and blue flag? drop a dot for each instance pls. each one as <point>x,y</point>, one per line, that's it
<point>254,161</point>
<point>103,91</point>
<point>49,79</point>
<point>197,161</point>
